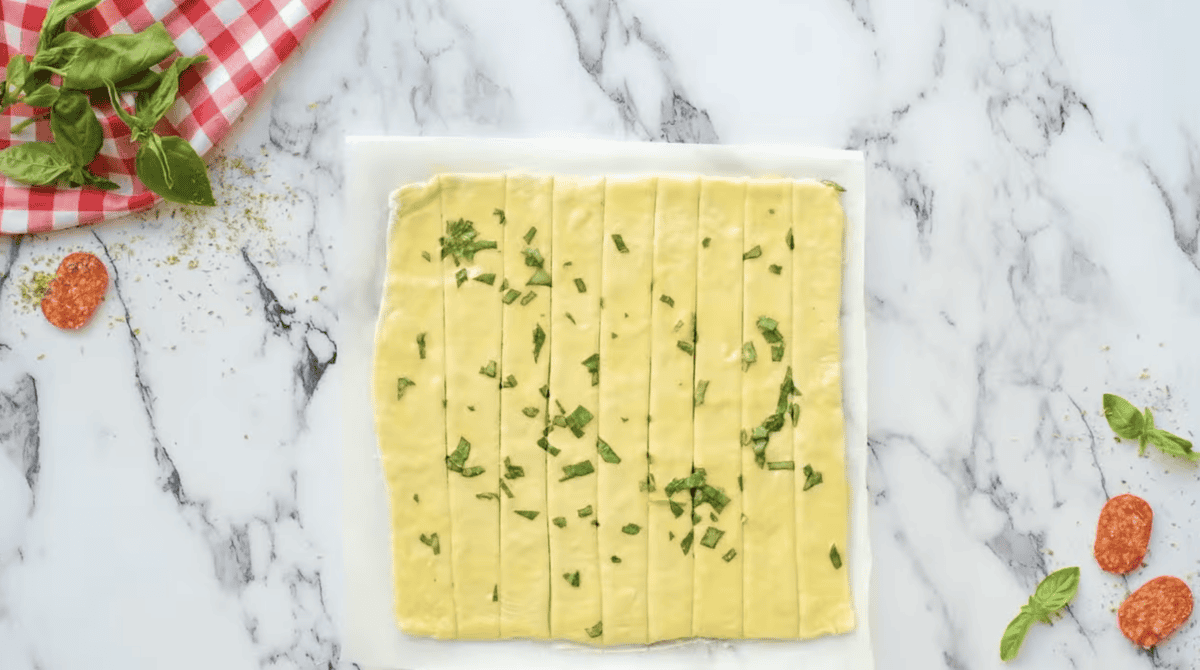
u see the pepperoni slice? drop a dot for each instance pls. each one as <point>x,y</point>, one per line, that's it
<point>1155,611</point>
<point>1123,533</point>
<point>76,291</point>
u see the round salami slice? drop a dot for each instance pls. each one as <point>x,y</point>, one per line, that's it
<point>1156,610</point>
<point>76,291</point>
<point>1123,533</point>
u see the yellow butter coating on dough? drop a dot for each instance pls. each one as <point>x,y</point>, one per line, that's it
<point>473,323</point>
<point>822,511</point>
<point>410,420</point>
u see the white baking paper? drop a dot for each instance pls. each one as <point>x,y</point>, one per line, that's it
<point>375,166</point>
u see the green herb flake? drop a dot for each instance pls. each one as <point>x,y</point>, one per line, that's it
<point>458,458</point>
<point>584,512</point>
<point>560,521</point>
<point>670,536</point>
<point>631,529</point>
<point>696,518</point>
<point>507,491</point>
<point>426,256</point>
<point>595,631</point>
<point>833,185</point>
<point>707,241</point>
<point>791,240</point>
<point>527,513</point>
<point>529,235</point>
<point>489,370</point>
<point>616,559</point>
<point>756,252</point>
<point>511,296</point>
<point>572,578</point>
<point>539,340</point>
<point>528,298</point>
<point>540,278</point>
<point>775,269</point>
<point>500,213</point>
<point>694,480</point>
<point>647,484</point>
<point>740,483</point>
<point>460,242</point>
<point>545,391</point>
<point>460,277</point>
<point>489,278</point>
<point>686,544</point>
<point>667,299</point>
<point>777,352</point>
<point>504,286</point>
<point>606,452</point>
<point>421,345</point>
<point>686,347</point>
<point>509,382</point>
<point>533,258</point>
<point>530,412</point>
<point>402,385</point>
<point>579,469</point>
<point>432,542</point>
<point>811,477</point>
<point>711,537</point>
<point>834,557</point>
<point>548,448</point>
<point>417,498</point>
<point>473,471</point>
<point>578,420</point>
<point>580,286</point>
<point>487,495</point>
<point>496,593</point>
<point>781,465</point>
<point>712,516</point>
<point>749,355</point>
<point>701,391</point>
<point>676,508</point>
<point>571,318</point>
<point>794,412</point>
<point>729,555</point>
<point>512,471</point>
<point>620,243</point>
<point>714,496</point>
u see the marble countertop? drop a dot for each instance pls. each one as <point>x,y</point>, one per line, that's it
<point>169,488</point>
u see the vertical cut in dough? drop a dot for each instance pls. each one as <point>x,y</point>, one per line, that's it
<point>624,404</point>
<point>717,611</point>
<point>822,512</point>
<point>408,386</point>
<point>770,599</point>
<point>473,321</point>
<point>669,580</point>
<point>575,322</point>
<point>524,544</point>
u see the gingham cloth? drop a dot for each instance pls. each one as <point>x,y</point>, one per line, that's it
<point>245,41</point>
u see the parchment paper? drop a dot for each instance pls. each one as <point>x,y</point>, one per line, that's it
<point>375,166</point>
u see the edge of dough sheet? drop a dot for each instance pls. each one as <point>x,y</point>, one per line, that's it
<point>377,166</point>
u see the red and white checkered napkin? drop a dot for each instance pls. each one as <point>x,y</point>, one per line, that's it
<point>245,41</point>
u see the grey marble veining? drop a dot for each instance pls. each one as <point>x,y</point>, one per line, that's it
<point>169,488</point>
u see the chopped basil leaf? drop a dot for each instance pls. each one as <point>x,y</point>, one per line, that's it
<point>667,299</point>
<point>781,465</point>
<point>571,318</point>
<point>711,537</point>
<point>460,277</point>
<point>701,391</point>
<point>540,278</point>
<point>714,497</point>
<point>584,511</point>
<point>676,508</point>
<point>670,535</point>
<point>601,303</point>
<point>694,480</point>
<point>529,235</point>
<point>487,495</point>
<point>811,477</point>
<point>648,484</point>
<point>560,421</point>
<point>527,513</point>
<point>456,460</point>
<point>471,407</point>
<point>568,264</point>
<point>749,355</point>
<point>504,286</point>
<point>560,521</point>
<point>496,593</point>
<point>577,470</point>
<point>696,518</point>
<point>606,452</point>
<point>678,325</point>
<point>794,411</point>
<point>572,578</point>
<point>432,542</point>
<point>614,335</point>
<point>528,298</point>
<point>473,472</point>
<point>706,242</point>
<point>686,347</point>
<point>578,419</point>
<point>539,340</point>
<point>770,329</point>
<point>488,278</point>
<point>620,243</point>
<point>791,241</point>
<point>834,185</point>
<point>771,211</point>
<point>533,258</point>
<point>753,253</point>
<point>500,213</point>
<point>511,296</point>
<point>775,269</point>
<point>835,557</point>
<point>616,559</point>
<point>631,529</point>
<point>417,498</point>
<point>530,412</point>
<point>777,352</point>
<point>686,544</point>
<point>402,385</point>
<point>580,286</point>
<point>712,516</point>
<point>545,391</point>
<point>460,242</point>
<point>421,345</point>
<point>512,471</point>
<point>504,487</point>
<point>426,256</point>
<point>729,555</point>
<point>549,448</point>
<point>740,483</point>
<point>595,631</point>
<point>509,382</point>
<point>489,370</point>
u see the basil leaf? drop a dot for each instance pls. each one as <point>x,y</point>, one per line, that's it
<point>14,78</point>
<point>77,131</point>
<point>584,512</point>
<point>595,631</point>
<point>606,452</point>
<point>572,578</point>
<point>1124,419</point>
<point>577,470</point>
<point>711,537</point>
<point>42,96</point>
<point>1172,445</point>
<point>631,529</point>
<point>57,15</point>
<point>539,340</point>
<point>116,57</point>
<point>834,557</point>
<point>34,163</point>
<point>90,179</point>
<point>686,543</point>
<point>1014,635</point>
<point>152,105</point>
<point>186,182</point>
<point>527,513</point>
<point>560,521</point>
<point>1057,589</point>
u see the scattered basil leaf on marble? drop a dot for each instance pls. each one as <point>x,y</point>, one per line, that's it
<point>1130,424</point>
<point>1125,419</point>
<point>1052,594</point>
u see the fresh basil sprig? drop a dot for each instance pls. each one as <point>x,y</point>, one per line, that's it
<point>167,165</point>
<point>1127,422</point>
<point>1053,594</point>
